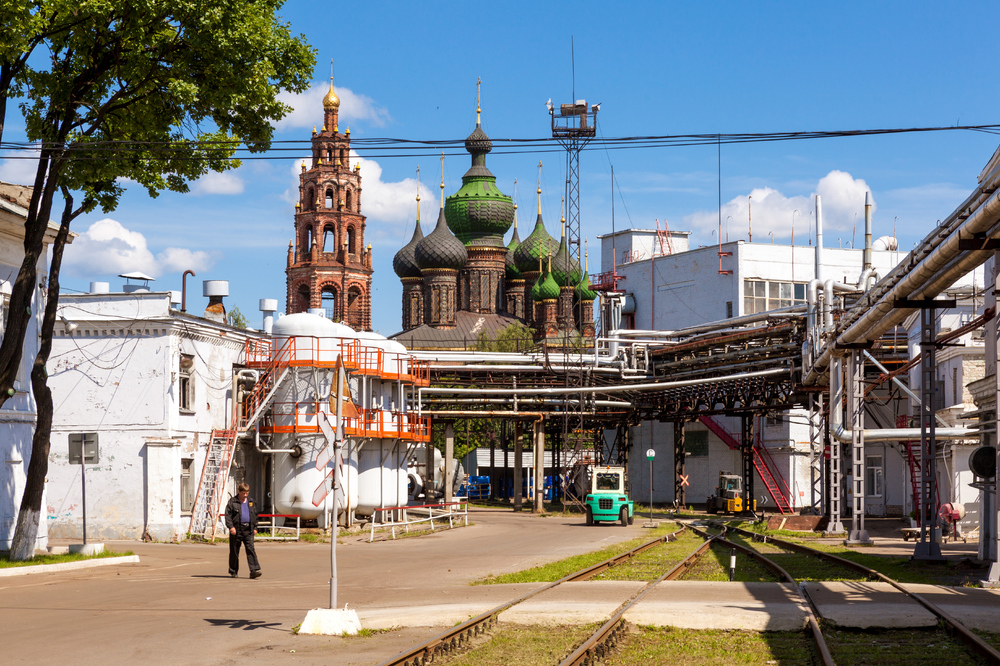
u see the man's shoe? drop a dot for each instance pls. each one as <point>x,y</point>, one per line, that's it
<point>232,574</point>
<point>255,574</point>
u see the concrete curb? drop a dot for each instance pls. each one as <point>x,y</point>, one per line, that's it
<point>68,566</point>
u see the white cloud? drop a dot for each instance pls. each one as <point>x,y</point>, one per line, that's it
<point>842,195</point>
<point>307,108</point>
<point>19,167</point>
<point>215,182</point>
<point>108,248</point>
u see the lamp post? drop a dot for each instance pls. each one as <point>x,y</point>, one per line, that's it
<point>650,454</point>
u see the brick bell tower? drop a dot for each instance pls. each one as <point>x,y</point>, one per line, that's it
<point>329,265</point>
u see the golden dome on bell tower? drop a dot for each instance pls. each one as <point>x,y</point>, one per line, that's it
<point>331,101</point>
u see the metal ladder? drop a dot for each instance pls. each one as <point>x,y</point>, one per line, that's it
<point>211,488</point>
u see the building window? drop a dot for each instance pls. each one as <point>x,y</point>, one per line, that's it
<point>696,443</point>
<point>185,388</point>
<point>187,485</point>
<point>873,476</point>
<point>763,295</point>
<point>729,309</point>
<point>775,419</point>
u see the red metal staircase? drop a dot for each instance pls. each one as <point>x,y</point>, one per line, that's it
<point>762,462</point>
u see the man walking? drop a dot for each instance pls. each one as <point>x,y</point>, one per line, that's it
<point>241,519</point>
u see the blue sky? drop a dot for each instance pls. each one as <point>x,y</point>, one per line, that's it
<point>409,70</point>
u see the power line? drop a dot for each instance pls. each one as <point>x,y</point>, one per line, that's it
<point>392,147</point>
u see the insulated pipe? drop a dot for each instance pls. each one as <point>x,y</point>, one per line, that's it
<point>936,270</point>
<point>819,239</point>
<point>866,261</point>
<point>657,386</point>
<point>827,305</point>
<point>733,322</point>
<point>811,298</point>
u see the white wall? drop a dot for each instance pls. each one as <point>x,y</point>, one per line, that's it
<point>117,374</point>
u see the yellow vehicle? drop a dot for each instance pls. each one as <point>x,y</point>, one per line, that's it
<point>728,497</point>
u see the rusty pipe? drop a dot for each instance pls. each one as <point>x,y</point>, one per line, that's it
<point>184,289</point>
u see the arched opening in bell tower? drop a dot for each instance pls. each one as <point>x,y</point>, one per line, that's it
<point>302,299</point>
<point>329,198</point>
<point>347,202</point>
<point>351,248</point>
<point>355,301</point>
<point>329,239</point>
<point>329,303</point>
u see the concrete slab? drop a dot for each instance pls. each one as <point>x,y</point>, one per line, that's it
<point>974,607</point>
<point>721,605</point>
<point>573,603</point>
<point>864,605</point>
<point>431,615</point>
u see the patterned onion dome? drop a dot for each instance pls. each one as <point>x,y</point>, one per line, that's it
<point>536,246</point>
<point>440,248</point>
<point>405,261</point>
<point>548,290</point>
<point>479,213</point>
<point>565,269</point>
<point>583,290</point>
<point>512,272</point>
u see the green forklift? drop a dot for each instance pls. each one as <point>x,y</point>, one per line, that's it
<point>608,499</point>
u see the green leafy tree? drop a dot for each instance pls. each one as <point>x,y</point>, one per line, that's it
<point>155,91</point>
<point>236,319</point>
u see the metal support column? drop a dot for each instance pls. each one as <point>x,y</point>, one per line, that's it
<point>449,462</point>
<point>834,524</point>
<point>747,453</point>
<point>991,507</point>
<point>816,448</point>
<point>856,407</point>
<point>518,465</point>
<point>679,459</point>
<point>539,500</point>
<point>929,547</point>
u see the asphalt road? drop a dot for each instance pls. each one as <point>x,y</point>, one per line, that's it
<point>179,605</point>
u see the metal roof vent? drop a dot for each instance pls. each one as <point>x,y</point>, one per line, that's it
<point>215,290</point>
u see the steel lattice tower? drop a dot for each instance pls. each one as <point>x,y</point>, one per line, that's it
<point>574,126</point>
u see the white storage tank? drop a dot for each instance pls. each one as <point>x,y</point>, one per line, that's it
<point>295,475</point>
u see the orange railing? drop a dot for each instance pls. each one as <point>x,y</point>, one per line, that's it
<point>323,352</point>
<point>290,417</point>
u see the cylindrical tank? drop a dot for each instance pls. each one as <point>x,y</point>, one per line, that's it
<point>295,476</point>
<point>382,475</point>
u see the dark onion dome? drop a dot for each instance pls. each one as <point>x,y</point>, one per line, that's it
<point>479,213</point>
<point>405,261</point>
<point>537,245</point>
<point>440,248</point>
<point>583,290</point>
<point>512,272</point>
<point>565,269</point>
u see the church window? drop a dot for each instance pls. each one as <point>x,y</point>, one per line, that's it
<point>350,235</point>
<point>329,240</point>
<point>348,203</point>
<point>329,198</point>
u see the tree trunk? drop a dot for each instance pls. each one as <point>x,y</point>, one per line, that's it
<point>26,533</point>
<point>19,311</point>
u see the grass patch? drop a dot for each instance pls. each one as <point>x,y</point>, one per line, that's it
<point>714,566</point>
<point>803,568</point>
<point>313,538</point>
<point>901,647</point>
<point>525,646</point>
<point>656,561</point>
<point>5,561</point>
<point>668,646</point>
<point>553,571</point>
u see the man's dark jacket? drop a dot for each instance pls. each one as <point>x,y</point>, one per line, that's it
<point>233,513</point>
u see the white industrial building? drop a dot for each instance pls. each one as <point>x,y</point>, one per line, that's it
<point>152,382</point>
<point>670,286</point>
<point>19,413</point>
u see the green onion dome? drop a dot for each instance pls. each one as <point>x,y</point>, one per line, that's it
<point>405,261</point>
<point>537,245</point>
<point>583,290</point>
<point>440,248</point>
<point>565,269</point>
<point>479,213</point>
<point>548,288</point>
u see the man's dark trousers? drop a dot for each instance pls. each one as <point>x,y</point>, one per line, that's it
<point>243,536</point>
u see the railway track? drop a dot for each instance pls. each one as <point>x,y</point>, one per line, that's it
<point>975,644</point>
<point>596,646</point>
<point>459,636</point>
